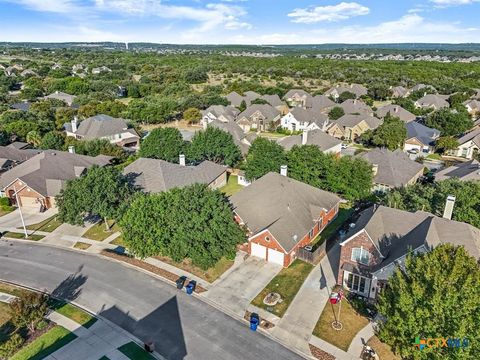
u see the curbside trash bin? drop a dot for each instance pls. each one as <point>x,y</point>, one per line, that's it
<point>190,288</point>
<point>254,321</point>
<point>180,282</point>
<point>149,346</point>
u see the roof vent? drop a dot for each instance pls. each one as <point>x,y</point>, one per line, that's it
<point>295,238</point>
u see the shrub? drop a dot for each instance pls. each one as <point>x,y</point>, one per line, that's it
<point>11,346</point>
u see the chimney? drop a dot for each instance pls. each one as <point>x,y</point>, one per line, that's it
<point>375,169</point>
<point>205,123</point>
<point>449,204</point>
<point>396,109</point>
<point>181,159</point>
<point>283,170</point>
<point>74,124</point>
<point>304,137</point>
<point>71,149</point>
<point>354,101</point>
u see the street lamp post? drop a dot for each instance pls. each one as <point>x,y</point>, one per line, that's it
<point>20,211</point>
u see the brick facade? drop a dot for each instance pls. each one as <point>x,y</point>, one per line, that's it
<point>30,196</point>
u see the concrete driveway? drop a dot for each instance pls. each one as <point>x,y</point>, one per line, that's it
<point>239,287</point>
<point>30,216</point>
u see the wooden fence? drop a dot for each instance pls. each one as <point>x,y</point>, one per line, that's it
<point>314,256</point>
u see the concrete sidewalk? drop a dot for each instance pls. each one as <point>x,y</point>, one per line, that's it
<point>356,347</point>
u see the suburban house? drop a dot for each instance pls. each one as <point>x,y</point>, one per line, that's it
<point>299,119</point>
<point>101,69</point>
<point>322,103</point>
<point>40,178</point>
<point>469,145</point>
<point>220,113</point>
<point>115,130</point>
<point>154,176</point>
<point>356,107</point>
<point>259,117</point>
<point>382,237</point>
<point>423,87</point>
<point>276,102</point>
<point>28,72</point>
<point>282,215</point>
<point>19,145</point>
<point>434,102</point>
<point>399,92</point>
<point>326,143</point>
<point>11,156</point>
<point>420,138</point>
<point>242,140</point>
<point>465,171</point>
<point>395,111</point>
<point>58,95</point>
<point>297,97</point>
<point>356,89</point>
<point>22,106</point>
<point>350,127</point>
<point>392,169</point>
<point>236,99</point>
<point>473,106</point>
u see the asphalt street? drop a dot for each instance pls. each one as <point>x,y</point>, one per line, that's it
<point>182,326</point>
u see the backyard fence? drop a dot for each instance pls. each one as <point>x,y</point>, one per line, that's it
<point>313,256</point>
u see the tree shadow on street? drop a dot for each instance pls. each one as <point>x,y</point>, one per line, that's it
<point>70,288</point>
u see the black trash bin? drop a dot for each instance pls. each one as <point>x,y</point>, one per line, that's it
<point>149,346</point>
<point>180,282</point>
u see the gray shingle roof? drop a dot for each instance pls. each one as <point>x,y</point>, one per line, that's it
<point>48,171</point>
<point>431,100</point>
<point>268,111</point>
<point>58,95</point>
<point>353,106</point>
<point>472,135</point>
<point>396,111</point>
<point>353,120</point>
<point>235,130</point>
<point>314,137</point>
<point>357,89</point>
<point>229,112</point>
<point>422,133</point>
<point>273,100</point>
<point>399,91</point>
<point>153,176</point>
<point>284,206</point>
<point>321,102</point>
<point>466,171</point>
<point>395,168</point>
<point>100,126</point>
<point>17,155</point>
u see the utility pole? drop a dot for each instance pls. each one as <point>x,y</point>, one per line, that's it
<point>20,211</point>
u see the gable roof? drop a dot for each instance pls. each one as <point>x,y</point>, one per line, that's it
<point>396,111</point>
<point>17,155</point>
<point>236,99</point>
<point>357,89</point>
<point>268,111</point>
<point>314,137</point>
<point>395,168</point>
<point>235,130</point>
<point>422,133</point>
<point>153,175</point>
<point>23,106</point>
<point>473,104</point>
<point>399,91</point>
<point>58,95</point>
<point>48,171</point>
<point>354,106</point>
<point>286,207</point>
<point>466,171</point>
<point>353,120</point>
<point>472,135</point>
<point>273,100</point>
<point>229,112</point>
<point>322,102</point>
<point>433,100</point>
<point>100,126</point>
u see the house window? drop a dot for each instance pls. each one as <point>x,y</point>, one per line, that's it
<point>360,255</point>
<point>267,238</point>
<point>356,283</point>
<point>310,234</point>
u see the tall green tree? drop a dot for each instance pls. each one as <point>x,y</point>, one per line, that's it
<point>215,145</point>
<point>52,140</point>
<point>163,143</point>
<point>346,95</point>
<point>263,157</point>
<point>450,122</point>
<point>28,310</point>
<point>102,191</point>
<point>194,222</point>
<point>336,113</point>
<point>445,143</point>
<point>391,134</point>
<point>437,294</point>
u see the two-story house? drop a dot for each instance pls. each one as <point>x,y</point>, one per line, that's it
<point>259,117</point>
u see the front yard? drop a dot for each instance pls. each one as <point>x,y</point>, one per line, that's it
<point>98,231</point>
<point>287,283</point>
<point>47,225</point>
<point>134,352</point>
<point>15,235</point>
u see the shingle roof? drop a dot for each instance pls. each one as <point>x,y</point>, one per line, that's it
<point>314,137</point>
<point>229,112</point>
<point>353,106</point>
<point>357,89</point>
<point>396,111</point>
<point>100,126</point>
<point>17,155</point>
<point>235,130</point>
<point>395,168</point>
<point>473,104</point>
<point>422,133</point>
<point>286,207</point>
<point>273,100</point>
<point>66,98</point>
<point>48,171</point>
<point>23,106</point>
<point>153,176</point>
<point>268,111</point>
<point>399,91</point>
<point>353,120</point>
<point>472,135</point>
<point>430,100</point>
<point>466,171</point>
<point>236,99</point>
<point>321,102</point>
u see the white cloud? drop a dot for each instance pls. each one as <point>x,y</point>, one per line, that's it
<point>447,3</point>
<point>329,13</point>
<point>56,6</point>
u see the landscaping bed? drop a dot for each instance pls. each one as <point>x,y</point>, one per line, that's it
<point>383,350</point>
<point>320,354</point>
<point>135,352</point>
<point>146,266</point>
<point>47,225</point>
<point>287,283</point>
<point>21,236</point>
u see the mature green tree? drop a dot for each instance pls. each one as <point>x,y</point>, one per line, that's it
<point>192,115</point>
<point>437,294</point>
<point>379,91</point>
<point>263,157</point>
<point>163,143</point>
<point>346,95</point>
<point>63,115</point>
<point>215,145</point>
<point>391,134</point>
<point>196,76</point>
<point>3,138</point>
<point>53,140</point>
<point>450,122</point>
<point>28,309</point>
<point>34,138</point>
<point>352,178</point>
<point>102,191</point>
<point>445,143</point>
<point>201,229</point>
<point>336,113</point>
<point>243,106</point>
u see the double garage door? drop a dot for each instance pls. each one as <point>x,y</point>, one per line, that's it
<point>29,202</point>
<point>260,251</point>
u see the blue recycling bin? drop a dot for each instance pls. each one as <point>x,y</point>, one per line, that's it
<point>254,323</point>
<point>189,289</point>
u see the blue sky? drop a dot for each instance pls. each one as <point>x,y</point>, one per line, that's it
<point>241,21</point>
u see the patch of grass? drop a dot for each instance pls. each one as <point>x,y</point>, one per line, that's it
<point>232,186</point>
<point>135,352</point>
<point>15,235</point>
<point>5,317</point>
<point>352,323</point>
<point>209,275</point>
<point>434,157</point>
<point>4,210</point>
<point>72,312</point>
<point>45,345</point>
<point>287,283</point>
<point>81,245</point>
<point>12,290</point>
<point>383,350</point>
<point>98,232</point>
<point>118,241</point>
<point>344,213</point>
<point>47,225</point>
<point>272,135</point>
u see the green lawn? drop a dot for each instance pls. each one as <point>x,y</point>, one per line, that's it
<point>47,225</point>
<point>81,245</point>
<point>287,283</point>
<point>45,345</point>
<point>4,319</point>
<point>74,313</point>
<point>97,232</point>
<point>232,186</point>
<point>15,235</point>
<point>343,214</point>
<point>118,241</point>
<point>135,352</point>
<point>5,210</point>
<point>352,323</point>
<point>434,157</point>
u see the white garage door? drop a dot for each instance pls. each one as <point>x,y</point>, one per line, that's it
<point>29,201</point>
<point>259,251</point>
<point>275,257</point>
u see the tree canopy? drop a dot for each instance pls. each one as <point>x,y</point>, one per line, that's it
<point>163,143</point>
<point>263,157</point>
<point>391,134</point>
<point>450,122</point>
<point>336,113</point>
